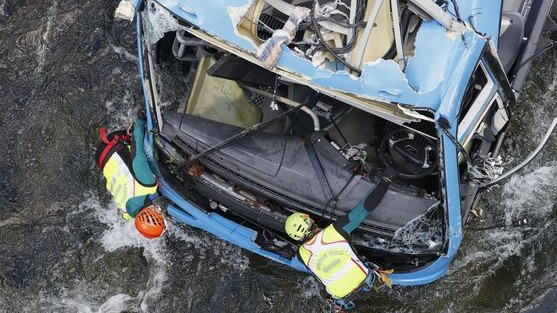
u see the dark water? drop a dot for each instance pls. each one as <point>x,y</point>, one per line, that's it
<point>67,67</point>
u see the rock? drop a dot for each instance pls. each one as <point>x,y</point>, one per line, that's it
<point>6,11</point>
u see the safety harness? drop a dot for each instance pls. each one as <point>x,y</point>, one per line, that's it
<point>375,279</point>
<point>115,141</point>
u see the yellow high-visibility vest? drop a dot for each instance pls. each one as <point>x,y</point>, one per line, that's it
<point>121,183</point>
<point>331,258</point>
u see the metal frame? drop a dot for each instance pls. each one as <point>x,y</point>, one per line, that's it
<point>237,234</point>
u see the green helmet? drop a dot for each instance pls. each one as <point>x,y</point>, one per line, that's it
<point>298,225</point>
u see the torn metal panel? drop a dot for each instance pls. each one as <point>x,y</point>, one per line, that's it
<point>440,55</point>
<point>479,14</point>
<point>214,18</point>
<point>455,85</point>
<point>420,85</point>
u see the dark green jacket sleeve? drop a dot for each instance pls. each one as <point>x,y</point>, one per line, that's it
<point>142,171</point>
<point>354,218</point>
<point>135,204</point>
<point>140,164</point>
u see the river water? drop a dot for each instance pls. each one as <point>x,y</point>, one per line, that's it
<point>68,67</point>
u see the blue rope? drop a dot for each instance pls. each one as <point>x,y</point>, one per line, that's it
<point>339,305</point>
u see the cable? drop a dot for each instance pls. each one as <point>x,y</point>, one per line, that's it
<point>352,43</point>
<point>338,129</point>
<point>444,4</point>
<point>312,153</point>
<point>535,55</point>
<point>444,124</point>
<point>333,197</point>
<point>528,159</point>
<point>457,11</point>
<point>323,42</point>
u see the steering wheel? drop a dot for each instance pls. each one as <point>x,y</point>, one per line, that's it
<point>409,153</point>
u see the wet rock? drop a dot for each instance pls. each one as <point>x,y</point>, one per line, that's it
<point>122,271</point>
<point>6,11</point>
<point>9,195</point>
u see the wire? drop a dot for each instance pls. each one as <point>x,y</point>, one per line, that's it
<point>352,43</point>
<point>333,198</point>
<point>343,24</point>
<point>338,129</point>
<point>324,43</point>
<point>535,55</point>
<point>457,11</point>
<point>528,159</point>
<point>444,4</point>
<point>443,123</point>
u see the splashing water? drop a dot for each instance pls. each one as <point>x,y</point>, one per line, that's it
<point>530,195</point>
<point>60,253</point>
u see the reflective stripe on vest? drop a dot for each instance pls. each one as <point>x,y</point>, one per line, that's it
<point>121,183</point>
<point>329,256</point>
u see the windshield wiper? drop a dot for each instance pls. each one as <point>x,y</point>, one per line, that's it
<point>246,133</point>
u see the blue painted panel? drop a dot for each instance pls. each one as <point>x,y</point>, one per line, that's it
<point>149,137</point>
<point>459,76</point>
<point>436,52</point>
<point>221,227</point>
<point>434,58</point>
<point>213,17</point>
<point>484,15</point>
<point>424,276</point>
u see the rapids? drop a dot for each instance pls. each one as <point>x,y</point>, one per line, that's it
<point>68,67</point>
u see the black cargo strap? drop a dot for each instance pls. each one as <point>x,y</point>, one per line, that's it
<point>237,137</point>
<point>375,197</point>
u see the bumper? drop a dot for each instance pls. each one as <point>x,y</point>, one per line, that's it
<point>189,213</point>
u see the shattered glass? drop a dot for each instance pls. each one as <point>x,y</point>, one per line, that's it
<point>422,234</point>
<point>156,22</point>
<point>423,231</point>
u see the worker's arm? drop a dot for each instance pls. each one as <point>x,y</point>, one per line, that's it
<point>141,169</point>
<point>355,217</point>
<point>135,204</point>
<point>140,164</point>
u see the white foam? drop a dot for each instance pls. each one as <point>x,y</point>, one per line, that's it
<point>526,197</point>
<point>115,304</point>
<point>45,44</point>
<point>530,195</point>
<point>54,304</point>
<point>118,234</point>
<point>121,234</point>
<point>120,110</point>
<point>230,255</point>
<point>310,287</point>
<point>551,87</point>
<point>123,52</point>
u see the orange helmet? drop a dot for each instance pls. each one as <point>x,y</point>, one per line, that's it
<point>150,222</point>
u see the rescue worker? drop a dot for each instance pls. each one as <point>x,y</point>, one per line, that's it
<point>327,252</point>
<point>129,178</point>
